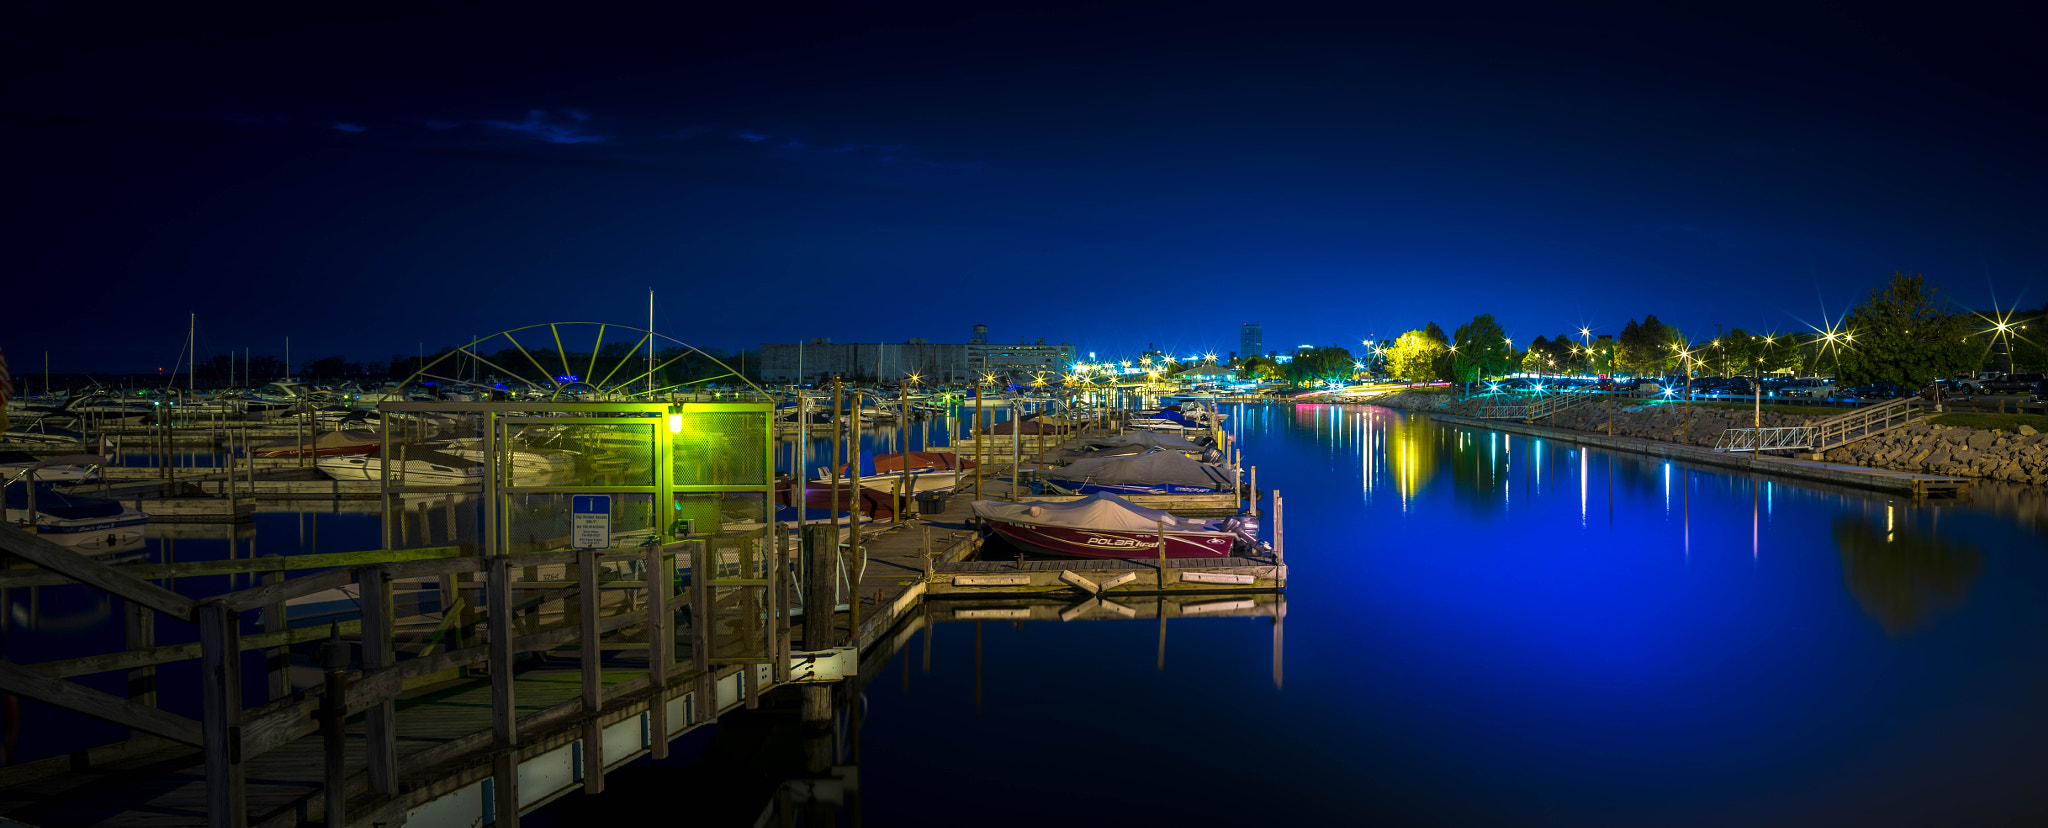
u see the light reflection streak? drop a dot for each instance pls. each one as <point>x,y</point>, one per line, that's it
<point>1584,458</point>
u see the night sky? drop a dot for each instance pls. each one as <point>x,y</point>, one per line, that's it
<point>364,177</point>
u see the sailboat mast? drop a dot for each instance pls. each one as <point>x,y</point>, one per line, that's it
<point>650,340</point>
<point>191,353</point>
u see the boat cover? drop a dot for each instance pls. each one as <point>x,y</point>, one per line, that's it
<point>1031,426</point>
<point>1148,439</point>
<point>1096,512</point>
<point>1155,468</point>
<point>59,504</point>
<point>345,438</point>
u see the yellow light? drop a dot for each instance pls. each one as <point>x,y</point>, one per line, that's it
<point>675,423</point>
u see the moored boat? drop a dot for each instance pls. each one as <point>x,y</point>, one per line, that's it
<point>419,467</point>
<point>1107,526</point>
<point>90,525</point>
<point>331,444</point>
<point>1159,471</point>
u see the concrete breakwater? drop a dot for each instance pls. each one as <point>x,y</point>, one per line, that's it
<point>2019,456</point>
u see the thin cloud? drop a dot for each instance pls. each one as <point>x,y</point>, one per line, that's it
<point>751,137</point>
<point>541,127</point>
<point>345,126</point>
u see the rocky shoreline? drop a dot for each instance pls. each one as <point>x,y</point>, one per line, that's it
<point>1992,454</point>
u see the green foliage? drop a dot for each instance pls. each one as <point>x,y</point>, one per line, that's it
<point>1905,334</point>
<point>1259,367</point>
<point>2028,341</point>
<point>1480,350</point>
<point>1316,366</point>
<point>1645,349</point>
<point>1414,355</point>
<point>1437,334</point>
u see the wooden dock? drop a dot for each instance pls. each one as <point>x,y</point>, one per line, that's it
<point>545,670</point>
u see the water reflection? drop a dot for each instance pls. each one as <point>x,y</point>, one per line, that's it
<point>1901,575</point>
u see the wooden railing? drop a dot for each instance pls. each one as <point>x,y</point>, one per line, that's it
<point>1868,421</point>
<point>618,599</point>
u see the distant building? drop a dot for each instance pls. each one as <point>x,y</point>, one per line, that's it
<point>1020,360</point>
<point>1251,339</point>
<point>819,359</point>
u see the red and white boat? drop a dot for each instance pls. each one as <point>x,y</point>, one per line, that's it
<point>1107,526</point>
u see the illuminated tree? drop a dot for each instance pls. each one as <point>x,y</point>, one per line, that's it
<point>1414,356</point>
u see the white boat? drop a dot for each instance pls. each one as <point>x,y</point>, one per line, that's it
<point>420,467</point>
<point>90,525</point>
<point>523,462</point>
<point>20,466</point>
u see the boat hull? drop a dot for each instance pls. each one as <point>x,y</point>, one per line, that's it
<point>413,473</point>
<point>1088,543</point>
<point>92,536</point>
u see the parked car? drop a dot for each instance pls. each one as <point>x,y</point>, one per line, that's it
<point>1810,391</point>
<point>2040,392</point>
<point>2010,384</point>
<point>1879,390</point>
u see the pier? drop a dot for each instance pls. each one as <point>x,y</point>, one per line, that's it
<point>486,677</point>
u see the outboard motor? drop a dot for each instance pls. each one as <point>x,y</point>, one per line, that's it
<point>1246,528</point>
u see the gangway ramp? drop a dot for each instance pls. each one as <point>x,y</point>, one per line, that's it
<point>1831,433</point>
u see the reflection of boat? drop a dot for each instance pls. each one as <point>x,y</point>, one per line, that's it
<point>1156,472</point>
<point>1107,526</point>
<point>91,525</point>
<point>420,467</point>
<point>331,444</point>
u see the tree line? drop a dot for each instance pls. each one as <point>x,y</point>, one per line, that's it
<point>1903,332</point>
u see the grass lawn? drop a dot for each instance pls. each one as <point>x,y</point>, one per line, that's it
<point>1782,408</point>
<point>2008,422</point>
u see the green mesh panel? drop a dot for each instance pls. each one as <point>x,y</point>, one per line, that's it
<point>716,448</point>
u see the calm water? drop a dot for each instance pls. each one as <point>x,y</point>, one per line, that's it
<point>1480,629</point>
<point>1485,630</point>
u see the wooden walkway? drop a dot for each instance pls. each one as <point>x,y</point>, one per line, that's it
<point>448,732</point>
<point>166,787</point>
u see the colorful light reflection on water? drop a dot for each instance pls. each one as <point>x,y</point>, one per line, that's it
<point>1486,628</point>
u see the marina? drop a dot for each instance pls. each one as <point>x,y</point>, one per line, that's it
<point>434,734</point>
<point>475,415</point>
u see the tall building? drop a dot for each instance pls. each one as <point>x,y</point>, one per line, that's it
<point>1251,339</point>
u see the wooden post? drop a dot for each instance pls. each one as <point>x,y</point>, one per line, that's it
<point>380,726</point>
<point>1162,551</point>
<point>820,586</point>
<point>592,651</point>
<point>141,623</point>
<point>277,659</point>
<point>1279,531</point>
<point>334,725</point>
<point>660,617</point>
<point>504,717</point>
<point>221,713</point>
<point>1254,498</point>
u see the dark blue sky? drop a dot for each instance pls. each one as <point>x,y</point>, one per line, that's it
<point>363,177</point>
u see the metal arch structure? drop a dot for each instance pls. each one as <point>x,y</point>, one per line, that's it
<point>565,385</point>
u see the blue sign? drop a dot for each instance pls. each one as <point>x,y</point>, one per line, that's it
<point>590,521</point>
